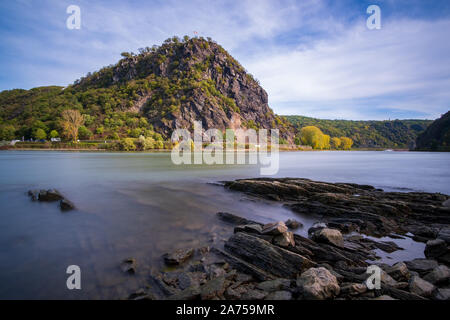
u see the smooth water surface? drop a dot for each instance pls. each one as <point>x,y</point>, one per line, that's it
<point>141,205</point>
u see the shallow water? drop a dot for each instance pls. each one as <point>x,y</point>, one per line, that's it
<point>141,205</point>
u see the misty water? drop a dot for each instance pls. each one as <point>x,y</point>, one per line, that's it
<point>141,205</point>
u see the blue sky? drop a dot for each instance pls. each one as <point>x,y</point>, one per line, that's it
<point>313,57</point>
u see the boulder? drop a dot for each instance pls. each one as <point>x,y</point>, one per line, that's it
<point>284,240</point>
<point>421,265</point>
<point>440,274</point>
<point>66,205</point>
<point>399,272</point>
<point>274,229</point>
<point>50,195</point>
<point>420,287</point>
<point>178,256</point>
<point>435,248</point>
<point>293,224</point>
<point>279,295</point>
<point>253,294</point>
<point>384,297</point>
<point>234,219</point>
<point>34,194</point>
<point>266,256</point>
<point>274,285</point>
<point>442,294</point>
<point>129,265</point>
<point>317,284</point>
<point>249,228</point>
<point>327,235</point>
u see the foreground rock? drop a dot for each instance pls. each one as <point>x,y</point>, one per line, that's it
<point>51,195</point>
<point>178,256</point>
<point>317,284</point>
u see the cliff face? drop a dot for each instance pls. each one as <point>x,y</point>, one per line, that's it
<point>437,136</point>
<point>190,80</point>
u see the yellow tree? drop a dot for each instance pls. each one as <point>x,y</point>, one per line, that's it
<point>335,143</point>
<point>346,143</point>
<point>311,136</point>
<point>325,142</point>
<point>71,121</point>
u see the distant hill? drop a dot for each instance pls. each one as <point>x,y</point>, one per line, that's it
<point>437,136</point>
<point>155,91</point>
<point>368,134</point>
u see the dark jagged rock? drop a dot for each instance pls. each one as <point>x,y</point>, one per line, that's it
<point>66,205</point>
<point>353,207</point>
<point>50,195</point>
<point>272,259</point>
<point>129,265</point>
<point>234,219</point>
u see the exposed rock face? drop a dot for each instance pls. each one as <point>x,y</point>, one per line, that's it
<point>197,80</point>
<point>272,259</point>
<point>351,207</point>
<point>318,284</point>
<point>437,136</point>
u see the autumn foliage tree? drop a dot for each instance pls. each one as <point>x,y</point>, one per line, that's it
<point>346,143</point>
<point>314,137</point>
<point>71,122</point>
<point>335,143</point>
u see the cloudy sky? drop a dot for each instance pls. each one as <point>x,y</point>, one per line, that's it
<point>313,57</point>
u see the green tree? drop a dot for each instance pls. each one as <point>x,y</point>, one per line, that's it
<point>54,134</point>
<point>146,143</point>
<point>127,144</point>
<point>7,132</point>
<point>84,133</point>
<point>39,134</point>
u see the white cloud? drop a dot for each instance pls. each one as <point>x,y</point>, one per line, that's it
<point>406,60</point>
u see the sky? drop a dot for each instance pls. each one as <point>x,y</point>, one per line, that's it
<point>315,58</point>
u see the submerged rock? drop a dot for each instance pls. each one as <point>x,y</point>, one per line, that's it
<point>50,195</point>
<point>293,224</point>
<point>178,256</point>
<point>66,205</point>
<point>129,265</point>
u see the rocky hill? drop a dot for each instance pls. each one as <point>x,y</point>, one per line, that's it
<point>157,90</point>
<point>437,135</point>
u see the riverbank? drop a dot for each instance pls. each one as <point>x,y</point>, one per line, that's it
<point>269,261</point>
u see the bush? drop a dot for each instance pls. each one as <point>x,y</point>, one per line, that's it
<point>84,133</point>
<point>127,144</point>
<point>39,134</point>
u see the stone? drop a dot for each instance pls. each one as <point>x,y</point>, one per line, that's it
<point>274,285</point>
<point>387,279</point>
<point>274,229</point>
<point>253,294</point>
<point>214,288</point>
<point>284,240</point>
<point>178,256</point>
<point>34,194</point>
<point>354,289</point>
<point>384,297</point>
<point>50,195</point>
<point>191,293</point>
<point>420,287</point>
<point>129,265</point>
<point>66,205</point>
<point>421,265</point>
<point>249,228</point>
<point>293,224</point>
<point>265,256</point>
<point>235,293</point>
<point>399,272</point>
<point>327,235</point>
<point>440,274</point>
<point>234,219</point>
<point>279,295</point>
<point>442,294</point>
<point>446,203</point>
<point>435,248</point>
<point>317,284</point>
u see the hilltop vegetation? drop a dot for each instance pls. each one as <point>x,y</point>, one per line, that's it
<point>147,94</point>
<point>437,135</point>
<point>367,134</point>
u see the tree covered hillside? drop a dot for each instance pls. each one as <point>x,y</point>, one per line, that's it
<point>368,134</point>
